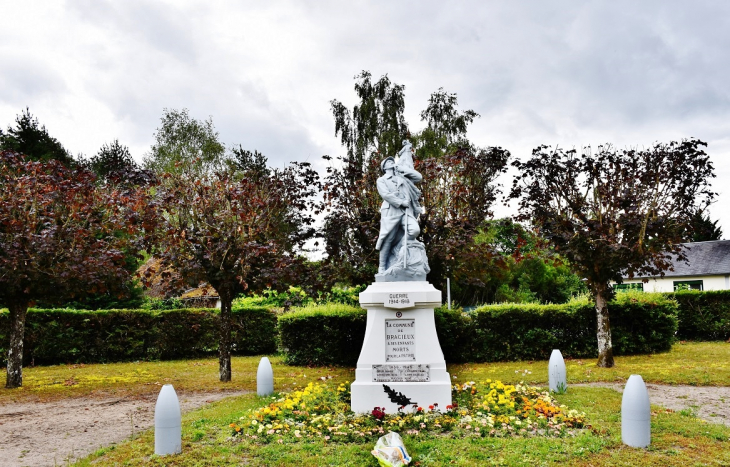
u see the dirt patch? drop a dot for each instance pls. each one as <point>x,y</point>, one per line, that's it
<point>706,402</point>
<point>52,433</point>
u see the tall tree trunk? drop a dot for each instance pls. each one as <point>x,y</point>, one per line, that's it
<point>18,311</point>
<point>224,338</point>
<point>603,332</point>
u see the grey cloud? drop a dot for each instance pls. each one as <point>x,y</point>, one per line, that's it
<point>23,81</point>
<point>148,24</point>
<point>552,72</point>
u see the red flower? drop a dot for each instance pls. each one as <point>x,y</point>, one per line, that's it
<point>431,407</point>
<point>378,413</point>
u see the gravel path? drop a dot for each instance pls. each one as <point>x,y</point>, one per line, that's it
<point>53,433</point>
<point>707,402</point>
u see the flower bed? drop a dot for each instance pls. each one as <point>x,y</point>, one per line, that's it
<point>479,410</point>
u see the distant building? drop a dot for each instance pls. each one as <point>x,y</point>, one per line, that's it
<point>708,269</point>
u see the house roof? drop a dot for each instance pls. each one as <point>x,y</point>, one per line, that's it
<point>705,259</point>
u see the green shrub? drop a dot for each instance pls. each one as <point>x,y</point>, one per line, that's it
<point>295,296</point>
<point>330,334</point>
<point>162,304</point>
<point>703,315</point>
<point>530,331</point>
<point>643,323</point>
<point>454,330</point>
<point>65,335</point>
<point>343,294</point>
<point>640,323</point>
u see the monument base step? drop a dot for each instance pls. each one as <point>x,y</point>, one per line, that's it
<point>366,395</point>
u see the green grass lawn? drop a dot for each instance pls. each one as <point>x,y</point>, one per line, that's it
<point>677,438</point>
<point>693,363</point>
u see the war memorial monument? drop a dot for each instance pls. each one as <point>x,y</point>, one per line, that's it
<point>401,362</point>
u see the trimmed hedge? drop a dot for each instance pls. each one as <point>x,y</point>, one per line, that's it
<point>641,323</point>
<point>329,334</point>
<point>333,334</point>
<point>703,315</point>
<point>66,336</point>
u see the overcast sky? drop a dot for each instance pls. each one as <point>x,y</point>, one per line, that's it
<point>568,73</point>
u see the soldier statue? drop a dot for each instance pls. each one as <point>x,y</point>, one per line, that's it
<point>402,257</point>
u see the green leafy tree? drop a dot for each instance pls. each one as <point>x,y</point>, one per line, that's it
<point>238,233</point>
<point>60,240</point>
<point>30,138</point>
<point>446,126</point>
<point>184,143</point>
<point>114,164</point>
<point>522,268</point>
<point>458,184</point>
<point>702,228</point>
<point>615,213</point>
<point>373,128</point>
<point>248,163</point>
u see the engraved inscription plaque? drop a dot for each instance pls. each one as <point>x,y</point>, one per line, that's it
<point>401,373</point>
<point>400,340</point>
<point>399,300</point>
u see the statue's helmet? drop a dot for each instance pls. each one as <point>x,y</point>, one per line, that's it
<point>382,164</point>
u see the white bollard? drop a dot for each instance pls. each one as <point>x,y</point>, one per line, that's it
<point>265,378</point>
<point>168,423</point>
<point>635,413</point>
<point>557,379</point>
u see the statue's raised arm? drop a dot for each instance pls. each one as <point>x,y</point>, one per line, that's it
<point>402,257</point>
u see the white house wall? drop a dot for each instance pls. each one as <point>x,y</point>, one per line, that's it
<point>666,284</point>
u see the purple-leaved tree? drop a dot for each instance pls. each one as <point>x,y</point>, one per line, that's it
<point>61,237</point>
<point>237,229</point>
<point>615,213</point>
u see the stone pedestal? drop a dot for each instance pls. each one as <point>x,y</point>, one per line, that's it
<point>401,354</point>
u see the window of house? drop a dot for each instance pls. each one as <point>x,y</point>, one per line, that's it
<point>630,286</point>
<point>688,285</point>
